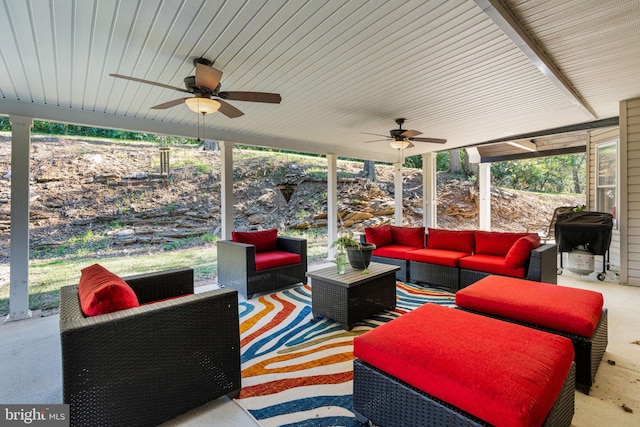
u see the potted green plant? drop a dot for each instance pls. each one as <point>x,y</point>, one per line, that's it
<point>359,254</point>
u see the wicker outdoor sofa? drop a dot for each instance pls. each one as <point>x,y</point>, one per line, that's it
<point>146,365</point>
<point>454,259</point>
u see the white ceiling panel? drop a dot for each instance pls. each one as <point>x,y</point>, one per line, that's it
<point>343,68</point>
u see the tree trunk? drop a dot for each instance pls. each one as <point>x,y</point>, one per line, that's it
<point>454,161</point>
<point>369,170</point>
<point>577,187</point>
<point>470,168</point>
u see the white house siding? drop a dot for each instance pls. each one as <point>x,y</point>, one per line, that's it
<point>630,168</point>
<point>597,137</point>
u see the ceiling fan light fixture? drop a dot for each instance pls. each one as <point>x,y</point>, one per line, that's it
<point>399,144</point>
<point>202,105</point>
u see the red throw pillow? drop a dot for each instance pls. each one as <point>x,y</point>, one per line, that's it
<point>264,240</point>
<point>461,241</point>
<point>100,291</point>
<point>495,242</point>
<point>408,236</point>
<point>379,236</point>
<point>520,251</point>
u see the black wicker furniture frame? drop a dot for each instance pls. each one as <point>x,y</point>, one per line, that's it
<point>353,296</point>
<point>146,365</point>
<point>387,401</point>
<point>237,267</point>
<point>402,274</point>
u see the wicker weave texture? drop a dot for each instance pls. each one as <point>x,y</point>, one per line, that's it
<point>435,275</point>
<point>387,401</point>
<point>146,365</point>
<point>353,296</point>
<point>402,274</point>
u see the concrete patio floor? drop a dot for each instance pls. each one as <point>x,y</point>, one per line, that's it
<point>30,365</point>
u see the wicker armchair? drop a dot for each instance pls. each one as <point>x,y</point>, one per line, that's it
<point>149,364</point>
<point>237,267</point>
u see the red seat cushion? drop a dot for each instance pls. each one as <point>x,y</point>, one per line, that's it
<point>461,241</point>
<point>503,373</point>
<point>272,259</point>
<point>520,252</point>
<point>436,256</point>
<point>491,264</point>
<point>496,243</point>
<point>408,236</point>
<point>263,240</point>
<point>379,236</point>
<point>100,291</point>
<point>571,310</point>
<point>393,251</point>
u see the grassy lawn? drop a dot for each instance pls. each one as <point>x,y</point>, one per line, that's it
<point>46,276</point>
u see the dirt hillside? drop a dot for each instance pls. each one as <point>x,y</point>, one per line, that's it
<point>83,188</point>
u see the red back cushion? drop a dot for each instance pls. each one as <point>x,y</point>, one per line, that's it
<point>408,236</point>
<point>264,240</point>
<point>100,291</point>
<point>379,236</point>
<point>460,241</point>
<point>519,253</point>
<point>495,243</point>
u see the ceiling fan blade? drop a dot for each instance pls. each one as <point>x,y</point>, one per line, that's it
<point>376,134</point>
<point>375,140</point>
<point>149,82</point>
<point>431,140</point>
<point>409,133</point>
<point>271,98</point>
<point>168,104</point>
<point>229,110</point>
<point>207,76</point>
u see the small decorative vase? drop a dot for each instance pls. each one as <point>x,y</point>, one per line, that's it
<point>341,262</point>
<point>360,257</point>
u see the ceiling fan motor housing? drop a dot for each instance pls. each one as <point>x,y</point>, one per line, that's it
<point>190,84</point>
<point>396,133</point>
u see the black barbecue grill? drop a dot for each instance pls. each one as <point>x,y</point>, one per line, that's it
<point>588,231</point>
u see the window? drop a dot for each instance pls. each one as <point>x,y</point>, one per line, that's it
<point>607,179</point>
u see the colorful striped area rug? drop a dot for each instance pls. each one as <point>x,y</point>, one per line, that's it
<point>298,371</point>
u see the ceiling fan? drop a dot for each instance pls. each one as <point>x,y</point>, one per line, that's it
<point>205,85</point>
<point>401,138</point>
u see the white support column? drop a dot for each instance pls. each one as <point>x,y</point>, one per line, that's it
<point>429,212</point>
<point>226,196</point>
<point>332,202</point>
<point>397,184</point>
<point>484,181</point>
<point>19,259</point>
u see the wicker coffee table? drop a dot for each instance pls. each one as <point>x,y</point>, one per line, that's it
<point>353,296</point>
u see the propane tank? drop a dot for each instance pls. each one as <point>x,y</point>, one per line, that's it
<point>581,261</point>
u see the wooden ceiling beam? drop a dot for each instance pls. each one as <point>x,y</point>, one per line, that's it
<point>509,24</point>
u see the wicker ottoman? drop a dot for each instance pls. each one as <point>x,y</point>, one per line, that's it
<point>573,313</point>
<point>438,366</point>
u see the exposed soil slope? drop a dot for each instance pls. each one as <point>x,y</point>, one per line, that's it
<point>82,187</point>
